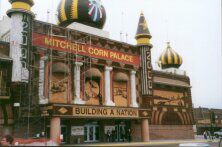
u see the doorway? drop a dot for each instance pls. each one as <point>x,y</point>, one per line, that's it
<point>91,133</point>
<point>120,135</point>
<point>64,134</point>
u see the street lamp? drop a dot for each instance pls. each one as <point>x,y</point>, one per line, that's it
<point>212,120</point>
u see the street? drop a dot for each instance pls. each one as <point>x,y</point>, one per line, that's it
<point>214,144</point>
<point>154,143</point>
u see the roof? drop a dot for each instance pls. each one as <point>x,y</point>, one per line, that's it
<point>172,82</point>
<point>142,30</point>
<point>37,29</point>
<point>168,75</point>
<point>204,113</point>
<point>169,58</point>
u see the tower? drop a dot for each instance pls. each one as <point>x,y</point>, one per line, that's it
<point>143,37</point>
<point>143,42</point>
<point>20,38</point>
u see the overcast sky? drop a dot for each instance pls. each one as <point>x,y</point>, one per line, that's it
<point>192,26</point>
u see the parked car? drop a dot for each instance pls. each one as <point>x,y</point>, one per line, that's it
<point>218,133</point>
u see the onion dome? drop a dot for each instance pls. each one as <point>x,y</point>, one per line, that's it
<point>169,58</point>
<point>21,6</point>
<point>143,35</point>
<point>87,12</point>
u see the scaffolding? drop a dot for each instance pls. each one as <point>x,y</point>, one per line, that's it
<point>29,112</point>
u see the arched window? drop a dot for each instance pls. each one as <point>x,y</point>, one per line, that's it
<point>171,118</point>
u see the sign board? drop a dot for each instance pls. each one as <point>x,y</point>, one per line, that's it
<point>77,130</point>
<point>61,44</point>
<point>105,112</point>
<point>75,111</point>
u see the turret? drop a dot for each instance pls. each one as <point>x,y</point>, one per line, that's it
<point>143,37</point>
<point>20,37</point>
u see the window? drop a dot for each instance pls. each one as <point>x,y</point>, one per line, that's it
<point>3,82</point>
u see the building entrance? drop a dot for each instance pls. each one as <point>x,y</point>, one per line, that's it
<point>64,134</point>
<point>120,135</point>
<point>91,133</point>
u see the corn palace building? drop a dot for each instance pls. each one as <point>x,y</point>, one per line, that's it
<point>71,83</point>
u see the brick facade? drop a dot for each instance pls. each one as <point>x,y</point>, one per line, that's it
<point>158,132</point>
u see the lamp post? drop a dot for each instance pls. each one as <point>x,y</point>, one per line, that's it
<point>212,120</point>
<point>216,118</point>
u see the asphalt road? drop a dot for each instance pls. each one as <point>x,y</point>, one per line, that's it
<point>150,144</point>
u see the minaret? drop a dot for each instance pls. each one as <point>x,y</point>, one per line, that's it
<point>143,42</point>
<point>143,37</point>
<point>20,38</point>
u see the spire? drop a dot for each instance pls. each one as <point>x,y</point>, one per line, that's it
<point>23,6</point>
<point>143,35</point>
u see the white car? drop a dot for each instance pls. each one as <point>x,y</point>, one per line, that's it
<point>218,133</point>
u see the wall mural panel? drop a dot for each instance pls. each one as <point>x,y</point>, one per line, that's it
<point>120,93</point>
<point>59,88</point>
<point>92,91</point>
<point>169,98</point>
<point>59,83</point>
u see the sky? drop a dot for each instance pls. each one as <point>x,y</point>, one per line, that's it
<point>192,26</point>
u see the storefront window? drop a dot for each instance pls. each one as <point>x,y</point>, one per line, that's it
<point>91,133</point>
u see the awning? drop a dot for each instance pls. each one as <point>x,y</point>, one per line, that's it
<point>4,57</point>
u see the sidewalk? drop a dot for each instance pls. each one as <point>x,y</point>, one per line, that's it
<point>151,143</point>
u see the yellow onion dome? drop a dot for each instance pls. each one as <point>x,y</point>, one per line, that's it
<point>169,58</point>
<point>23,6</point>
<point>87,12</point>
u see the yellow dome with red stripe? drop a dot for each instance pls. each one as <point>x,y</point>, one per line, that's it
<point>169,58</point>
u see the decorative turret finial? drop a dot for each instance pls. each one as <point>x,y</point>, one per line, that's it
<point>168,44</point>
<point>143,35</point>
<point>21,6</point>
